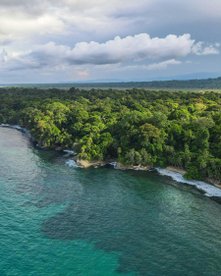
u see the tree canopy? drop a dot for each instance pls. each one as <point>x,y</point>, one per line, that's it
<point>134,126</point>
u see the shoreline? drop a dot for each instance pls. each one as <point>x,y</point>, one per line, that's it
<point>116,165</point>
<point>210,189</point>
<point>177,174</point>
<point>19,128</point>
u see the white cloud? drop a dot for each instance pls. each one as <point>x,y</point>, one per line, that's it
<point>149,67</point>
<point>40,18</point>
<point>100,18</point>
<point>140,50</point>
<point>201,50</point>
<point>27,27</point>
<point>131,48</point>
<point>3,56</point>
<point>163,64</point>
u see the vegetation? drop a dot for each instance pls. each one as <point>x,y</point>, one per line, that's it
<point>211,83</point>
<point>136,126</point>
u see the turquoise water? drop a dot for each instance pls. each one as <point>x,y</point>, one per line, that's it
<point>57,220</point>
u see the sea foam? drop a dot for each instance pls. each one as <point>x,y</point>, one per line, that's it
<point>208,189</point>
<point>71,163</point>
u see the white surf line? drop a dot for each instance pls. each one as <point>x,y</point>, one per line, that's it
<point>210,190</point>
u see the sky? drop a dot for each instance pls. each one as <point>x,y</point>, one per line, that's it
<point>116,40</point>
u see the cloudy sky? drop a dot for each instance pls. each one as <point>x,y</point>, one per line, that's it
<point>117,40</point>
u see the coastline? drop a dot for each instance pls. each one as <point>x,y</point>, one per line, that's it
<point>19,128</point>
<point>116,165</point>
<point>177,174</point>
<point>211,189</point>
<point>208,189</point>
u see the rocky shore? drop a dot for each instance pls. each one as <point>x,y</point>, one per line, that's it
<point>116,165</point>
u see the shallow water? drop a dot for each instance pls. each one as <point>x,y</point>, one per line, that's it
<point>57,220</point>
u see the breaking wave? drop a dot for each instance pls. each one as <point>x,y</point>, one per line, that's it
<point>208,189</point>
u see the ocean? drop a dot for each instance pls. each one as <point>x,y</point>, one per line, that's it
<point>61,220</point>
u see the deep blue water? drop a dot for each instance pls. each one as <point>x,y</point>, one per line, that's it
<point>57,220</point>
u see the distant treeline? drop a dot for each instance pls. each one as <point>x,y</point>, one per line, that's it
<point>170,84</point>
<point>212,83</point>
<point>134,126</point>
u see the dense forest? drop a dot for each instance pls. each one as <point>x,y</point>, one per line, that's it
<point>133,126</point>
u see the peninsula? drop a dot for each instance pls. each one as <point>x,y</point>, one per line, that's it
<point>135,127</point>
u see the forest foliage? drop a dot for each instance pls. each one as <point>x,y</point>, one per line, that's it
<point>134,126</point>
